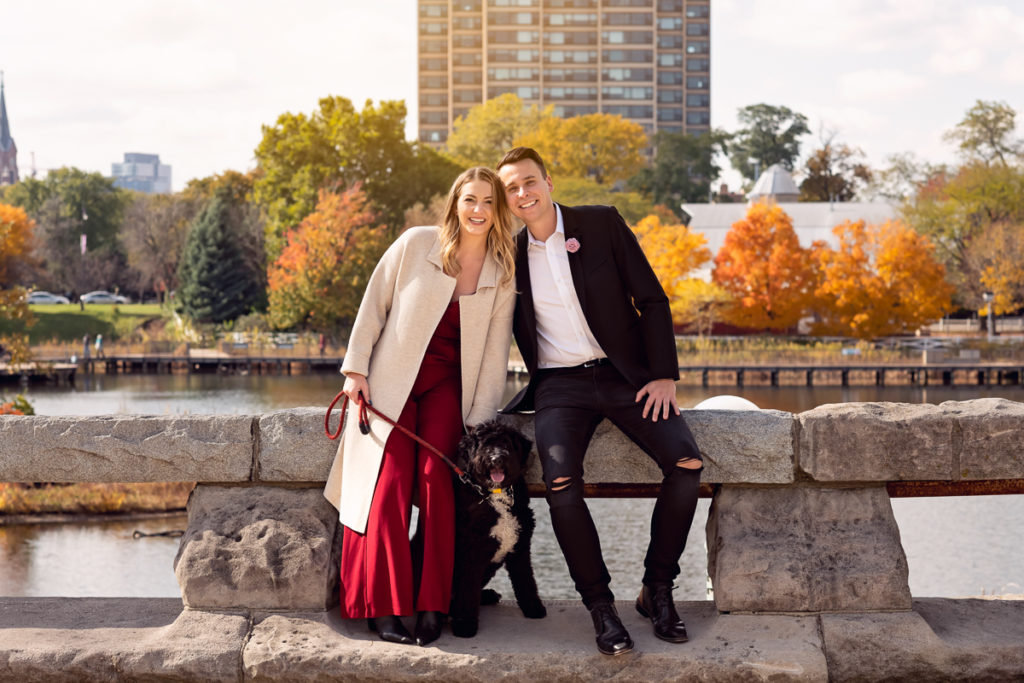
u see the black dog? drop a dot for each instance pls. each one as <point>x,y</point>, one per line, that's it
<point>493,524</point>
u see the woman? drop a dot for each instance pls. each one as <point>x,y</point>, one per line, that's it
<point>429,349</point>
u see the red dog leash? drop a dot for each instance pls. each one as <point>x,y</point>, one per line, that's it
<point>364,427</point>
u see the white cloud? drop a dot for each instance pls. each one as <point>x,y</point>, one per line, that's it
<point>879,85</point>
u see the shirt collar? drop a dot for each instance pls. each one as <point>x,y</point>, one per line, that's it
<point>559,229</point>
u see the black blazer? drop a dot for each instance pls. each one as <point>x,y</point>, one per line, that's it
<point>622,300</point>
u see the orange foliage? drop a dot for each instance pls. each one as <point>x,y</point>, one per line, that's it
<point>319,278</point>
<point>15,241</point>
<point>883,280</point>
<point>766,271</point>
<point>673,252</point>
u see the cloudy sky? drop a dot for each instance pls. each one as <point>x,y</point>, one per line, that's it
<point>193,80</point>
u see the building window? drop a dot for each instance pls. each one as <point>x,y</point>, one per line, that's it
<point>570,19</point>
<point>434,136</point>
<point>558,4</point>
<point>670,129</point>
<point>627,3</point>
<point>627,18</point>
<point>630,111</point>
<point>698,118</point>
<point>512,74</point>
<point>570,75</point>
<point>670,5</point>
<point>567,110</point>
<point>570,56</point>
<point>670,78</point>
<point>433,64</point>
<point>618,92</point>
<point>698,100</point>
<point>696,82</point>
<point>697,11</point>
<point>513,37</point>
<point>670,59</point>
<point>697,64</point>
<point>428,82</point>
<point>670,114</point>
<point>670,42</point>
<point>561,93</point>
<point>471,40</point>
<point>471,96</point>
<point>670,96</point>
<point>697,48</point>
<point>640,56</point>
<point>570,38</point>
<point>697,29</point>
<point>466,5</point>
<point>467,23</point>
<point>670,24</point>
<point>467,59</point>
<point>433,11</point>
<point>467,78</point>
<point>434,99</point>
<point>627,37</point>
<point>433,28</point>
<point>511,18</point>
<point>523,92</point>
<point>513,55</point>
<point>512,3</point>
<point>434,117</point>
<point>627,74</point>
<point>433,47</point>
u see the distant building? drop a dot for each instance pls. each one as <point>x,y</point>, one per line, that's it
<point>649,62</point>
<point>8,150</point>
<point>143,173</point>
<point>811,220</point>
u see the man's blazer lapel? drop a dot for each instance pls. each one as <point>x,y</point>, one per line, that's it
<point>525,303</point>
<point>572,231</point>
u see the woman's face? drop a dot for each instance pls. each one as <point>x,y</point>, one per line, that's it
<point>475,207</point>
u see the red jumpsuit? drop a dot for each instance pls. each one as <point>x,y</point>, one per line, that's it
<point>376,567</point>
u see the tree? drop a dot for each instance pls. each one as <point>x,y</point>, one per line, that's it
<point>763,267</point>
<point>997,255</point>
<point>577,191</point>
<point>604,147</point>
<point>771,136</point>
<point>15,248</point>
<point>882,280</point>
<point>683,168</point>
<point>153,238</point>
<point>903,177</point>
<point>834,173</point>
<point>488,130</point>
<point>319,278</point>
<point>338,146</point>
<point>699,304</point>
<point>986,133</point>
<point>215,283</point>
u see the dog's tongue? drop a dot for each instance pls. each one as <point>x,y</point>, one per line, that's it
<point>497,476</point>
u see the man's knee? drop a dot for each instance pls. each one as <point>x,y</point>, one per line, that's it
<point>564,492</point>
<point>690,463</point>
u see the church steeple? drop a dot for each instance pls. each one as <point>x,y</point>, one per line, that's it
<point>8,150</point>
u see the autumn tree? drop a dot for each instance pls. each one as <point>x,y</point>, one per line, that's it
<point>579,191</point>
<point>763,267</point>
<point>770,135</point>
<point>834,173</point>
<point>319,278</point>
<point>997,255</point>
<point>986,134</point>
<point>338,146</point>
<point>903,175</point>
<point>699,304</point>
<point>882,280</point>
<point>153,238</point>
<point>683,168</point>
<point>488,130</point>
<point>604,147</point>
<point>15,251</point>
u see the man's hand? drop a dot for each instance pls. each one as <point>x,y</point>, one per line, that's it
<point>661,397</point>
<point>356,384</point>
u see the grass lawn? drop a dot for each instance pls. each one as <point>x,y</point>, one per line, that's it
<point>67,322</point>
<point>26,499</point>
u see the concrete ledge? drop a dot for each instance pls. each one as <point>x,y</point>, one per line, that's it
<point>96,639</point>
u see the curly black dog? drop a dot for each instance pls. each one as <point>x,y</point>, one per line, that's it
<point>493,524</point>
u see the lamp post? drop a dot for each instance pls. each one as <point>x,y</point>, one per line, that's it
<point>988,298</point>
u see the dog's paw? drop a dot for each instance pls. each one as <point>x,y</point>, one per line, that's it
<point>489,596</point>
<point>534,610</point>
<point>464,628</point>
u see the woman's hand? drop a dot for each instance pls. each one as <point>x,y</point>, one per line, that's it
<point>356,384</point>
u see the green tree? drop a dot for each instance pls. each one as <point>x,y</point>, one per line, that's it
<point>771,135</point>
<point>338,146</point>
<point>834,173</point>
<point>683,168</point>
<point>215,282</point>
<point>575,191</point>
<point>153,238</point>
<point>488,130</point>
<point>986,134</point>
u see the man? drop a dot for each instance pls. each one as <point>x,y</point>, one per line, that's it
<point>594,328</point>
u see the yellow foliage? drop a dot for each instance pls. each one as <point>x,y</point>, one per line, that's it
<point>674,253</point>
<point>604,147</point>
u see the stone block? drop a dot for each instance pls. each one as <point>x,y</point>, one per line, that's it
<point>126,448</point>
<point>259,547</point>
<point>751,446</point>
<point>560,647</point>
<point>804,549</point>
<point>991,437</point>
<point>116,639</point>
<point>294,447</point>
<point>874,442</point>
<point>940,639</point>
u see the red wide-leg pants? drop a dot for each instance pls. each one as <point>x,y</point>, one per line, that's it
<point>377,567</point>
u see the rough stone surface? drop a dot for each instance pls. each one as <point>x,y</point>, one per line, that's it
<point>126,448</point>
<point>992,437</point>
<point>259,548</point>
<point>868,442</point>
<point>320,647</point>
<point>939,640</point>
<point>804,549</point>
<point>754,447</point>
<point>294,447</point>
<point>116,639</point>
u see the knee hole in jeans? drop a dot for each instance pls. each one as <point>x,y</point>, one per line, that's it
<point>689,463</point>
<point>560,484</point>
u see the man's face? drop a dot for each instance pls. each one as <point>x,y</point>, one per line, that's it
<point>528,191</point>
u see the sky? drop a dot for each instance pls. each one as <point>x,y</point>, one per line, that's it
<point>194,80</point>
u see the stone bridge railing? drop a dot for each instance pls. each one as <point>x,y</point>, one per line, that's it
<point>800,522</point>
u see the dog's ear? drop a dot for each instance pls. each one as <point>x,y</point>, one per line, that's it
<point>523,446</point>
<point>467,444</point>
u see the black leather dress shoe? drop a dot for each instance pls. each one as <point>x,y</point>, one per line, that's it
<point>612,637</point>
<point>428,627</point>
<point>391,629</point>
<point>655,603</point>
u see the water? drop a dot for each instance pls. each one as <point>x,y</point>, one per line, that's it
<point>956,546</point>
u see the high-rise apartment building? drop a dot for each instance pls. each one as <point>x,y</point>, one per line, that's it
<point>143,173</point>
<point>647,60</point>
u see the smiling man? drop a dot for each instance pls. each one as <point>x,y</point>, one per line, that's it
<point>594,328</point>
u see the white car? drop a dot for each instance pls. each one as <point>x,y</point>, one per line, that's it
<point>46,298</point>
<point>101,297</point>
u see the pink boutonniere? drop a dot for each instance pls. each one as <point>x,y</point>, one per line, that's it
<point>572,245</point>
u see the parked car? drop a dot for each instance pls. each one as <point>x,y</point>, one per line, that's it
<point>101,297</point>
<point>41,297</point>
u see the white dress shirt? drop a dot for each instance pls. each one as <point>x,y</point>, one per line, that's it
<point>564,338</point>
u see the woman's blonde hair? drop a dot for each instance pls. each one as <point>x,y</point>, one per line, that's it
<point>500,242</point>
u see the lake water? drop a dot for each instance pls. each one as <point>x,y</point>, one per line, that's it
<point>956,546</point>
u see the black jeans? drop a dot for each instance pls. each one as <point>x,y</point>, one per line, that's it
<point>570,403</point>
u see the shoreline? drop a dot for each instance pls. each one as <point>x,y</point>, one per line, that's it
<point>88,518</point>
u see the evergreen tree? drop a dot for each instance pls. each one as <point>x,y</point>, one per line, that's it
<point>215,281</point>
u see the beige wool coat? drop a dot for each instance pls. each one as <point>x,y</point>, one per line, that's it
<point>404,300</point>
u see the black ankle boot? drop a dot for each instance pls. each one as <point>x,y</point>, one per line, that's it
<point>612,637</point>
<point>391,629</point>
<point>655,602</point>
<point>428,627</point>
